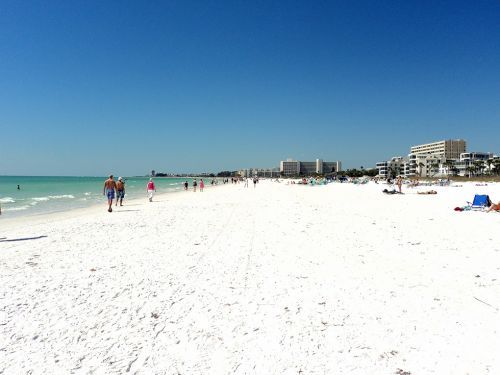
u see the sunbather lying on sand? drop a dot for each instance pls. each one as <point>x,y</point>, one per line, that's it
<point>393,191</point>
<point>427,192</point>
<point>494,207</point>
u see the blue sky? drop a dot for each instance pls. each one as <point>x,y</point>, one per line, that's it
<point>92,87</point>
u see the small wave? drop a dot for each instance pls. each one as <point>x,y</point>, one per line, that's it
<point>87,193</point>
<point>62,196</point>
<point>19,208</point>
<point>40,199</point>
<point>7,200</point>
<point>174,184</point>
<point>34,203</point>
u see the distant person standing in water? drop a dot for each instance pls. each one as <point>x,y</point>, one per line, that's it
<point>151,188</point>
<point>109,191</point>
<point>186,185</point>
<point>202,185</point>
<point>194,184</point>
<point>120,191</point>
<point>18,187</point>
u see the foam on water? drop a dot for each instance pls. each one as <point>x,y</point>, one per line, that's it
<point>40,199</point>
<point>18,208</point>
<point>7,200</point>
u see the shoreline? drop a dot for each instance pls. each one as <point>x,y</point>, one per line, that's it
<point>75,212</point>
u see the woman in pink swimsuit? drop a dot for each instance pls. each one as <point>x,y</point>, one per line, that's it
<point>202,185</point>
<point>151,188</point>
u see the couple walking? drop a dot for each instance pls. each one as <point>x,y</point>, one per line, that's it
<point>195,184</point>
<point>111,187</point>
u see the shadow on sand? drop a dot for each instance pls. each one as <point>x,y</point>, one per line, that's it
<point>22,239</point>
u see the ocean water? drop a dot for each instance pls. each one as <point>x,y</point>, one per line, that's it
<point>39,195</point>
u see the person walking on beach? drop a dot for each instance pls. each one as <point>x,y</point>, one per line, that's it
<point>151,188</point>
<point>202,185</point>
<point>246,182</point>
<point>254,182</point>
<point>186,185</point>
<point>109,191</point>
<point>120,191</point>
<point>195,184</point>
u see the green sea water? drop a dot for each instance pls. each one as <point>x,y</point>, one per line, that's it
<point>39,195</point>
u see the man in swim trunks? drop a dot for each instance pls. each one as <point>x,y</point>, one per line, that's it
<point>109,191</point>
<point>120,191</point>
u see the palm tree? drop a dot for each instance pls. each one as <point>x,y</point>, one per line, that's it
<point>496,164</point>
<point>434,166</point>
<point>470,169</point>
<point>489,162</point>
<point>420,166</point>
<point>479,166</point>
<point>391,172</point>
<point>448,164</point>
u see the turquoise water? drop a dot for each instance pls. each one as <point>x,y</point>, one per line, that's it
<point>40,195</point>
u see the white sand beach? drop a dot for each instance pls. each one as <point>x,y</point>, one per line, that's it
<point>280,279</point>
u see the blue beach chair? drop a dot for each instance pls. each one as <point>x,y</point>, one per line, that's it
<point>480,202</point>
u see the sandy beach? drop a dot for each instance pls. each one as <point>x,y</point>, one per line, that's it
<point>280,279</point>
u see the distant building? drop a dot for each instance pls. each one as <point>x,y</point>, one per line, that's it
<point>432,159</point>
<point>259,172</point>
<point>470,161</point>
<point>294,167</point>
<point>290,167</point>
<point>440,159</point>
<point>450,149</point>
<point>424,165</point>
<point>397,166</point>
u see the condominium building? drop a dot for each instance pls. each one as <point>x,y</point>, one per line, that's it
<point>450,149</point>
<point>468,160</point>
<point>295,167</point>
<point>424,165</point>
<point>290,167</point>
<point>397,166</point>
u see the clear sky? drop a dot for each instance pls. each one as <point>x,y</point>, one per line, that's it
<point>91,87</point>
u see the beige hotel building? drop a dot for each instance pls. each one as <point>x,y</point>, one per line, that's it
<point>450,149</point>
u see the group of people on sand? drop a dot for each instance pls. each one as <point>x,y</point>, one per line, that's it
<point>116,189</point>
<point>195,185</point>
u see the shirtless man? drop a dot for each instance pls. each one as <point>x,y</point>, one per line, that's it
<point>109,191</point>
<point>120,191</point>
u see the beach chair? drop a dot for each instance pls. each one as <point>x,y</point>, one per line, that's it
<point>480,202</point>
